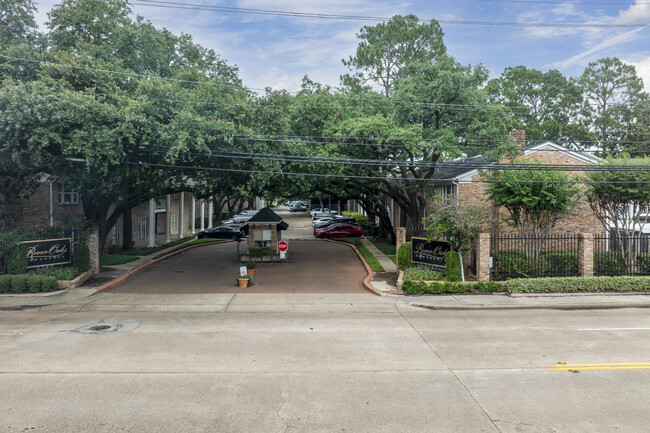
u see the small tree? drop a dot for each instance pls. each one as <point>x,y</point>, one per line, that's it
<point>458,224</point>
<point>535,199</point>
<point>620,199</point>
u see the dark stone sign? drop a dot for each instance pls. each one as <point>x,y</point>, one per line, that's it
<point>430,253</point>
<point>48,252</point>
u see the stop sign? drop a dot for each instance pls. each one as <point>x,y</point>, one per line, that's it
<point>282,246</point>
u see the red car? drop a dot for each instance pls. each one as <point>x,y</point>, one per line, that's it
<point>338,231</point>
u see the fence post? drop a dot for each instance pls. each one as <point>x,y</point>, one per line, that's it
<point>586,254</point>
<point>400,239</point>
<point>483,257</point>
<point>93,247</point>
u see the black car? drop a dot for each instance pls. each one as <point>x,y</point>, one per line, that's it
<point>222,232</point>
<point>297,207</point>
<point>242,227</point>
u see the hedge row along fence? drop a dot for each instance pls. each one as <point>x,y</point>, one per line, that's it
<point>27,284</point>
<point>535,285</point>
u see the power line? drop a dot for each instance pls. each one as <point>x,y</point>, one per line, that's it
<point>297,14</point>
<point>342,176</point>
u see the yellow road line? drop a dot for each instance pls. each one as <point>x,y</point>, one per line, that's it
<point>598,365</point>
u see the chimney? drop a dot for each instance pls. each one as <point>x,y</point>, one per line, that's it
<point>520,136</point>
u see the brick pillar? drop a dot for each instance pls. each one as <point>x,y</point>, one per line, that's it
<point>92,241</point>
<point>400,239</point>
<point>274,239</point>
<point>483,257</point>
<point>586,254</point>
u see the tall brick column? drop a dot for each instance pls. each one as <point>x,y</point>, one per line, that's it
<point>586,254</point>
<point>483,257</point>
<point>92,241</point>
<point>400,236</point>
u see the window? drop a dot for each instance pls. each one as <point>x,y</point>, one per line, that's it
<point>144,227</point>
<point>68,193</point>
<point>448,193</point>
<point>116,234</point>
<point>262,237</point>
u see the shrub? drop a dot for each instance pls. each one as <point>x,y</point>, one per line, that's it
<point>81,257</point>
<point>369,228</point>
<point>17,260</point>
<point>49,285</point>
<point>452,263</point>
<point>259,251</point>
<point>421,274</point>
<point>404,256</point>
<point>250,264</point>
<point>514,263</point>
<point>19,283</point>
<point>34,283</point>
<point>421,287</point>
<point>578,284</point>
<point>5,283</point>
<point>67,273</point>
<point>356,215</point>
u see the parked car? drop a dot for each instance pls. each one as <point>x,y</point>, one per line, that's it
<point>243,227</point>
<point>297,207</point>
<point>338,231</point>
<point>320,210</point>
<point>222,232</point>
<point>324,222</point>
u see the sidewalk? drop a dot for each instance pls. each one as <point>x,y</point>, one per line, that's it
<point>383,260</point>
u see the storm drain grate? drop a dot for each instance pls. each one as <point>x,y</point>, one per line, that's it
<point>105,327</point>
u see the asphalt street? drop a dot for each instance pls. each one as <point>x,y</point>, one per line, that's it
<point>321,363</point>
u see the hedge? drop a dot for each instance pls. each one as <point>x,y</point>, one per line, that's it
<point>435,287</point>
<point>452,266</point>
<point>81,257</point>
<point>578,284</point>
<point>27,283</point>
<point>259,251</point>
<point>511,263</point>
<point>404,256</point>
<point>17,260</point>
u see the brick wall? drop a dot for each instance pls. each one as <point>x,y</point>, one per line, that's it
<point>36,209</point>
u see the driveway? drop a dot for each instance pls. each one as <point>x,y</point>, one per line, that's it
<point>313,267</point>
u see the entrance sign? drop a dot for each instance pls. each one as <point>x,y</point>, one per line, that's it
<point>430,253</point>
<point>48,252</point>
<point>283,246</point>
<point>283,255</point>
<point>242,271</point>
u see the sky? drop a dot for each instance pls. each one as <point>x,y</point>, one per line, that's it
<point>277,52</point>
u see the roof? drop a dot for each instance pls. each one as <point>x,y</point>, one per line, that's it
<point>267,216</point>
<point>464,169</point>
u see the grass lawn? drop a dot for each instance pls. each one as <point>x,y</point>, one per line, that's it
<point>383,245</point>
<point>116,259</point>
<point>147,251</point>
<point>372,261</point>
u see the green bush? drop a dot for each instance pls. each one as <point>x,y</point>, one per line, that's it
<point>5,283</point>
<point>49,285</point>
<point>578,284</point>
<point>609,263</point>
<point>34,283</point>
<point>66,273</point>
<point>421,274</point>
<point>356,215</point>
<point>436,287</point>
<point>452,263</point>
<point>404,256</point>
<point>19,283</point>
<point>369,228</point>
<point>514,263</point>
<point>17,260</point>
<point>81,257</point>
<point>259,251</point>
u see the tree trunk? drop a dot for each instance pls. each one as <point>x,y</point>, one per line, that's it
<point>127,229</point>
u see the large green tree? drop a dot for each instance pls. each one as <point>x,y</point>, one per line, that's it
<point>384,49</point>
<point>615,101</point>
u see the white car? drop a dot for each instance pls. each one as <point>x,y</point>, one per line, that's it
<point>319,210</point>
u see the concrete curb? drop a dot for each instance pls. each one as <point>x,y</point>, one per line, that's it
<point>134,271</point>
<point>564,307</point>
<point>371,273</point>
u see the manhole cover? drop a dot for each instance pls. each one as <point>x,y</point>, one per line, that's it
<point>105,327</point>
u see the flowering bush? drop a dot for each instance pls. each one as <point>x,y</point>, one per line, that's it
<point>421,274</point>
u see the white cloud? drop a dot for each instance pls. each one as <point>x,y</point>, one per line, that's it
<point>637,13</point>
<point>607,43</point>
<point>642,70</point>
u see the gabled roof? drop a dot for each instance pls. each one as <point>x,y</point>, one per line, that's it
<point>266,215</point>
<point>466,168</point>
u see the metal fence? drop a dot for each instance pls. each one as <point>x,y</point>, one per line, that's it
<point>514,256</point>
<point>621,255</point>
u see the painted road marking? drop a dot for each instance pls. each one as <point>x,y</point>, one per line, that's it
<point>613,329</point>
<point>604,366</point>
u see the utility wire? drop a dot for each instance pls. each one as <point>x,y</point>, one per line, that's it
<point>342,176</point>
<point>297,14</point>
